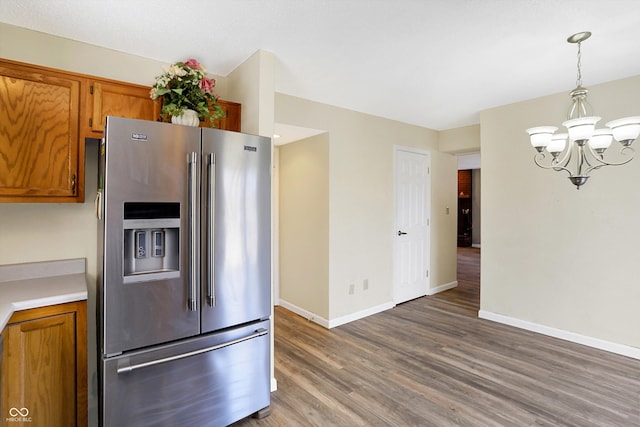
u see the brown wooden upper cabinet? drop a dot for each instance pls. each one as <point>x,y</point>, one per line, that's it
<point>117,99</point>
<point>133,101</point>
<point>231,121</point>
<point>45,116</point>
<point>41,157</point>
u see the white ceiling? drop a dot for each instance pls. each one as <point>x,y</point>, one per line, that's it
<point>433,63</point>
<point>284,133</point>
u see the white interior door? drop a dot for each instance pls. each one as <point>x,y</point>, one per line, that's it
<point>411,233</point>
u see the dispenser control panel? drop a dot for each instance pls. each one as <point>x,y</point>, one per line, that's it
<point>151,241</point>
<point>141,244</point>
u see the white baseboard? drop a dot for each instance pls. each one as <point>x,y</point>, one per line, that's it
<point>360,314</point>
<point>624,350</point>
<point>476,245</point>
<point>274,385</point>
<point>305,313</point>
<point>442,288</point>
<point>340,320</point>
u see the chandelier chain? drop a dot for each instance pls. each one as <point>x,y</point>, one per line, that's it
<point>579,76</point>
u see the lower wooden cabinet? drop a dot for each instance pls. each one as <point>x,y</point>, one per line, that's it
<point>44,367</point>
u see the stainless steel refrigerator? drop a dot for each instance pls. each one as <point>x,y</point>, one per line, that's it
<point>184,267</point>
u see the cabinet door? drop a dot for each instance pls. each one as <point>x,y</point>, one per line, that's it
<point>44,366</point>
<point>39,365</point>
<point>120,100</point>
<point>39,135</point>
<point>232,120</point>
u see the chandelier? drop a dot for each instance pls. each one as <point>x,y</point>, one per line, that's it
<point>585,150</point>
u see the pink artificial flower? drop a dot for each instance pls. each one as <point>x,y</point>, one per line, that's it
<point>192,63</point>
<point>207,84</point>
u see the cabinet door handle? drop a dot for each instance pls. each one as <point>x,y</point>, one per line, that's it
<point>401,233</point>
<point>73,184</point>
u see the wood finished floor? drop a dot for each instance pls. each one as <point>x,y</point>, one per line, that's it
<point>432,362</point>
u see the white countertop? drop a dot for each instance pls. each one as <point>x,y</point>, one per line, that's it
<point>38,284</point>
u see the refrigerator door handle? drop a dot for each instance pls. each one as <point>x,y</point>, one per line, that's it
<point>192,258</point>
<point>211,214</point>
<point>126,369</point>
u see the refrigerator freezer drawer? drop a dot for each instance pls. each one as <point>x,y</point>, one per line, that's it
<point>212,380</point>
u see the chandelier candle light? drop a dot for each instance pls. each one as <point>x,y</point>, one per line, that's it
<point>586,143</point>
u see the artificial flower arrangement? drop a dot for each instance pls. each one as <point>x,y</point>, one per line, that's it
<point>183,86</point>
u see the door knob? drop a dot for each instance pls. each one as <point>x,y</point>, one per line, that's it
<point>400,233</point>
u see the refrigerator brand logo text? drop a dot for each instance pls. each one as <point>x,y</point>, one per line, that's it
<point>138,137</point>
<point>250,148</point>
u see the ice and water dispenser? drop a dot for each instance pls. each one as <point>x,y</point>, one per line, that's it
<point>151,241</point>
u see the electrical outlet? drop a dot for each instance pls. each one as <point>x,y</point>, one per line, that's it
<point>352,289</point>
<point>365,284</point>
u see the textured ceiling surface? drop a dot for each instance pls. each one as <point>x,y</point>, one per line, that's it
<point>433,63</point>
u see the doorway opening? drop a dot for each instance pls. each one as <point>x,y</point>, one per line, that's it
<point>468,254</point>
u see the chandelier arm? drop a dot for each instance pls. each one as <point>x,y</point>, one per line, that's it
<point>592,168</point>
<point>605,163</point>
<point>555,166</point>
<point>581,160</point>
<point>586,159</point>
<point>572,111</point>
<point>623,151</point>
<point>566,157</point>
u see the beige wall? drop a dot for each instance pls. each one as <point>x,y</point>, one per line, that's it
<point>20,44</point>
<point>460,140</point>
<point>553,255</point>
<point>304,224</point>
<point>361,208</point>
<point>253,85</point>
<point>476,197</point>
